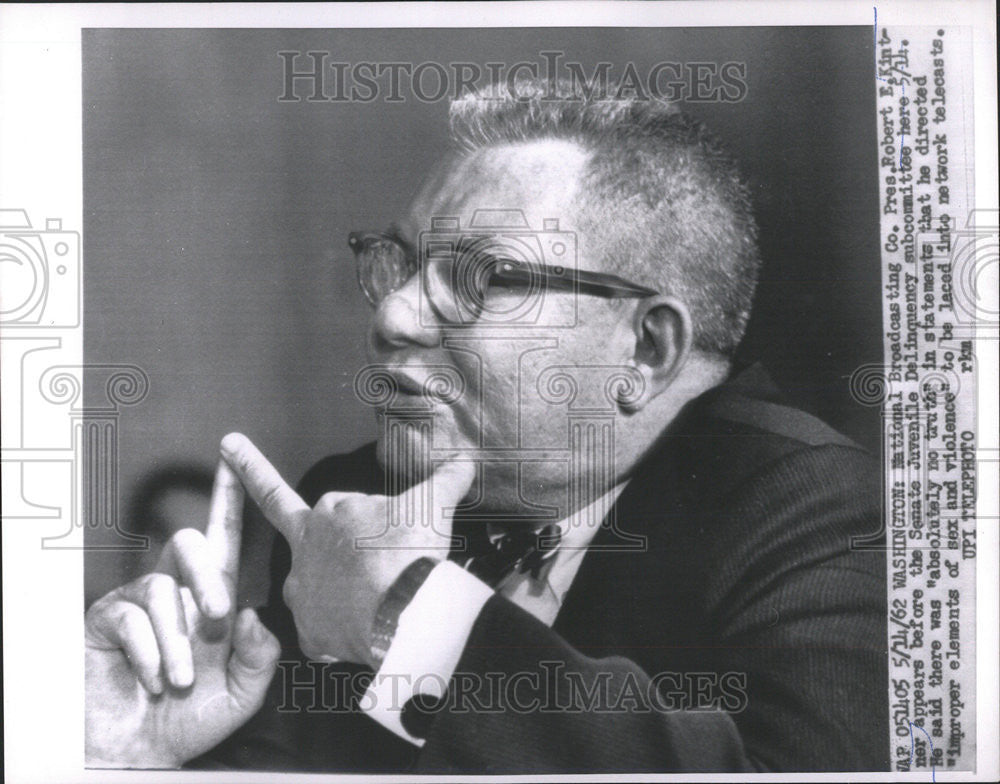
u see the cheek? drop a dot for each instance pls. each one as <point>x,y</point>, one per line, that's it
<point>500,393</point>
<point>497,422</point>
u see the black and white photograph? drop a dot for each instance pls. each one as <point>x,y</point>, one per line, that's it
<point>500,389</point>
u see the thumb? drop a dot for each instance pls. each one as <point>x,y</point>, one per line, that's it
<point>251,664</point>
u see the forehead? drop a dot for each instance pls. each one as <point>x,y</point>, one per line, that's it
<point>541,178</point>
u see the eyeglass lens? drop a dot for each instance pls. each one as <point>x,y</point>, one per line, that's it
<point>382,266</point>
<point>456,284</point>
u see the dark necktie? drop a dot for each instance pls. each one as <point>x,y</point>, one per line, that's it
<point>524,550</point>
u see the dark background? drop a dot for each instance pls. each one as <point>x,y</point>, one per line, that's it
<point>215,224</point>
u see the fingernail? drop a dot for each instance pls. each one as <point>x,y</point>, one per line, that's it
<point>182,674</point>
<point>229,442</point>
<point>156,684</point>
<point>216,604</point>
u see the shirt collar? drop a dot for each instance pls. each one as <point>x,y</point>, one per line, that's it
<point>577,532</point>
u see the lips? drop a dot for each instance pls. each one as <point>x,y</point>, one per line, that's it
<point>408,386</point>
<point>409,394</point>
<point>386,387</point>
<point>440,385</point>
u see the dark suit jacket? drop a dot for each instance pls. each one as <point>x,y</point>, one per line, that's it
<point>748,507</point>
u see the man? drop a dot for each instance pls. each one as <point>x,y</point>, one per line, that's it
<point>582,542</point>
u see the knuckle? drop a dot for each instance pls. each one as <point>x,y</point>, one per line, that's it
<point>101,620</point>
<point>350,506</point>
<point>240,460</point>
<point>328,504</point>
<point>157,587</point>
<point>100,608</point>
<point>128,623</point>
<point>270,499</point>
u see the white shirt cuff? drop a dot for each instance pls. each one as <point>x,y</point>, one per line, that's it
<point>427,645</point>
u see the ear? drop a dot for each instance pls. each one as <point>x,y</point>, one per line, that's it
<point>663,337</point>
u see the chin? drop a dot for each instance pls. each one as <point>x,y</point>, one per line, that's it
<point>403,449</point>
<point>404,453</point>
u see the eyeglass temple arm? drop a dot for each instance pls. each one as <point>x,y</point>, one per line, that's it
<point>602,283</point>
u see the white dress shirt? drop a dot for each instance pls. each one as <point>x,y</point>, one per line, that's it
<point>435,626</point>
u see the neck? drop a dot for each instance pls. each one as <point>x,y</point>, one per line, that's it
<point>636,434</point>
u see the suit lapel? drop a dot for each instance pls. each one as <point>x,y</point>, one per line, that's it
<point>615,604</point>
<point>649,604</point>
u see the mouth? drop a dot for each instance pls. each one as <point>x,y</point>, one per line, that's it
<point>408,386</point>
<point>440,386</point>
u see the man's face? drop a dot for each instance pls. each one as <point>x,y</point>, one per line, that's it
<point>510,410</point>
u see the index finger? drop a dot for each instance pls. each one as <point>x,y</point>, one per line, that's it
<point>225,520</point>
<point>279,503</point>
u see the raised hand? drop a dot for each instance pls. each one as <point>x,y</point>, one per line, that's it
<point>171,669</point>
<point>350,547</point>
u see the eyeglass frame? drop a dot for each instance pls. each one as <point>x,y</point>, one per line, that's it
<point>599,284</point>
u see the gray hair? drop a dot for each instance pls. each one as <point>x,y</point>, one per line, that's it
<point>663,197</point>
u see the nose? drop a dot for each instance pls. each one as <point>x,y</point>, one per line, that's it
<point>404,318</point>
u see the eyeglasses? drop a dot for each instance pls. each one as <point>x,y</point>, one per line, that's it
<point>476,278</point>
